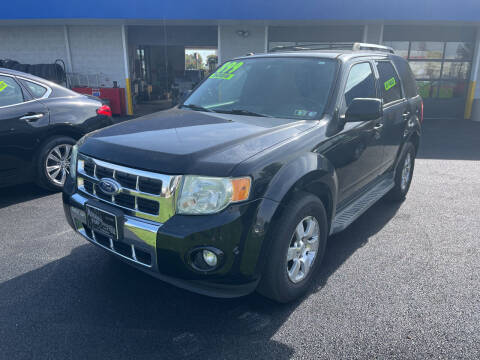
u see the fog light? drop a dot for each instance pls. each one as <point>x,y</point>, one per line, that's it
<point>210,258</point>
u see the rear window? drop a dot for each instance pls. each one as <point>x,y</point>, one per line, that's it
<point>35,89</point>
<point>389,82</point>
<point>409,83</point>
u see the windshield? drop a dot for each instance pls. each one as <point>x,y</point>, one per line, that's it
<point>294,88</point>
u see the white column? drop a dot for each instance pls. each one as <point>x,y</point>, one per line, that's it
<point>266,38</point>
<point>67,49</point>
<point>219,46</point>
<point>365,31</point>
<point>373,33</point>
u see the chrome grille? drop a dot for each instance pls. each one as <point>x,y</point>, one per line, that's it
<point>143,194</point>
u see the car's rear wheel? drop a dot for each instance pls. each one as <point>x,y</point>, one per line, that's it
<point>297,246</point>
<point>403,174</point>
<point>53,163</point>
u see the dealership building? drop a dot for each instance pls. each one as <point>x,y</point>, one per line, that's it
<point>140,45</point>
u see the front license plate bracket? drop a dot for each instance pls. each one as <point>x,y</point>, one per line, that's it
<point>104,221</point>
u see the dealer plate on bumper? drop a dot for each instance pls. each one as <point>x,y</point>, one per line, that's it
<point>102,221</point>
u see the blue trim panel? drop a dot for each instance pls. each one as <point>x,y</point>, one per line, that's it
<point>425,10</point>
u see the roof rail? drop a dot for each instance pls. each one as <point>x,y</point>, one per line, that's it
<point>313,46</point>
<point>333,46</point>
<point>373,47</point>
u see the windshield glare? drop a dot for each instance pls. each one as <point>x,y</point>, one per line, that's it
<point>294,88</point>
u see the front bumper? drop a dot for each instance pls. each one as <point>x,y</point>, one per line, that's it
<point>162,250</point>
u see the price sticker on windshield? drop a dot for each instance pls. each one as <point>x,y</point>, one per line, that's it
<point>227,71</point>
<point>3,85</point>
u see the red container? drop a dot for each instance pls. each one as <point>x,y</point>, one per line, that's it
<point>115,96</point>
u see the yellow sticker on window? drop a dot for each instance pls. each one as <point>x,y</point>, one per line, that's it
<point>227,71</point>
<point>390,83</point>
<point>3,85</point>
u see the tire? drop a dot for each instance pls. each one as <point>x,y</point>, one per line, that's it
<point>400,190</point>
<point>62,144</point>
<point>277,284</point>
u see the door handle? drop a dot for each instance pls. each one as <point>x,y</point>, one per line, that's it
<point>32,117</point>
<point>378,126</point>
<point>406,115</point>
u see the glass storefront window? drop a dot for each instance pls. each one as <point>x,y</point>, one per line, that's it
<point>452,89</point>
<point>441,70</point>
<point>426,50</point>
<point>442,89</point>
<point>426,69</point>
<point>427,89</point>
<point>456,70</point>
<point>458,51</point>
<point>400,47</point>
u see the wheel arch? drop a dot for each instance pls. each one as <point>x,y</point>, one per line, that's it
<point>311,183</point>
<point>312,173</point>
<point>414,138</point>
<point>61,130</point>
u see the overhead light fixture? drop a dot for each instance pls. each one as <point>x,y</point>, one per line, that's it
<point>243,33</point>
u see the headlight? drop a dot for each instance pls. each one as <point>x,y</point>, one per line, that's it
<point>73,162</point>
<point>207,195</point>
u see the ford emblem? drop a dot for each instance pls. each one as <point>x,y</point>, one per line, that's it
<point>109,186</point>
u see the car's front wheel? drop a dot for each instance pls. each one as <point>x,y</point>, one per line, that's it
<point>297,246</point>
<point>53,162</point>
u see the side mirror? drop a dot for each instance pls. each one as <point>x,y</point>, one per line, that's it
<point>364,109</point>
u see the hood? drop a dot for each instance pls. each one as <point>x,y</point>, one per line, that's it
<point>181,141</point>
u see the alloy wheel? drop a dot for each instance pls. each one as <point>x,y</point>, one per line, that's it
<point>406,171</point>
<point>57,163</point>
<point>303,249</point>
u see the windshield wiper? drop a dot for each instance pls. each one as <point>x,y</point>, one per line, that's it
<point>196,107</point>
<point>241,112</point>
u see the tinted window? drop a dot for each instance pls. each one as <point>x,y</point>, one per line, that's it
<point>10,91</point>
<point>426,50</point>
<point>36,90</point>
<point>408,79</point>
<point>360,83</point>
<point>295,88</point>
<point>389,82</point>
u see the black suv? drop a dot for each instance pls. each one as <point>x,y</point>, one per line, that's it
<point>238,188</point>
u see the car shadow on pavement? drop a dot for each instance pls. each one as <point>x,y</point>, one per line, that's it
<point>21,193</point>
<point>90,305</point>
<point>342,245</point>
<point>450,139</point>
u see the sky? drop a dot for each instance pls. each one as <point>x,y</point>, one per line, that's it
<point>203,52</point>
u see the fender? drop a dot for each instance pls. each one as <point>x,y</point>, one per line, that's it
<point>310,169</point>
<point>413,129</point>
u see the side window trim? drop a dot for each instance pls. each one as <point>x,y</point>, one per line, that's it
<point>343,103</point>
<point>44,96</point>
<point>402,98</point>
<point>404,94</point>
<point>21,89</point>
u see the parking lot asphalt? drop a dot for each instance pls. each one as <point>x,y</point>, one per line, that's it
<point>402,282</point>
